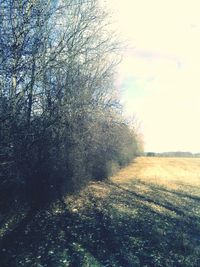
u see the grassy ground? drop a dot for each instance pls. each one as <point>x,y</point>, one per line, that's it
<point>146,215</point>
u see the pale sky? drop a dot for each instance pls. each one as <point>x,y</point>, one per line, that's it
<point>160,75</point>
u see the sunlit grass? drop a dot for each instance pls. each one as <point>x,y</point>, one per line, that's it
<point>148,214</point>
<point>171,172</point>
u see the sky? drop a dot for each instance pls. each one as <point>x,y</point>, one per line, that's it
<point>159,77</point>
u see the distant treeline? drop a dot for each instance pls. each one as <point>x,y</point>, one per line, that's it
<point>180,154</point>
<point>61,123</point>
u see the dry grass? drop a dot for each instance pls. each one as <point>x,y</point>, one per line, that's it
<point>148,214</point>
<point>171,172</point>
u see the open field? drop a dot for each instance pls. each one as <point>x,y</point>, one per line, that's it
<point>148,214</point>
<point>174,173</point>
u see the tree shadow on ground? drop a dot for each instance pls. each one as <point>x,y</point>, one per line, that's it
<point>125,228</point>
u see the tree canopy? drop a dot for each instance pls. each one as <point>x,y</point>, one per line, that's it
<point>61,123</point>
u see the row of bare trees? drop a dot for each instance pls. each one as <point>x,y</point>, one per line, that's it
<point>60,122</point>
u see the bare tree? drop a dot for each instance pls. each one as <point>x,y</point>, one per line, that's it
<point>60,119</point>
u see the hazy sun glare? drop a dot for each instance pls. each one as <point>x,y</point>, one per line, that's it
<point>160,75</point>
